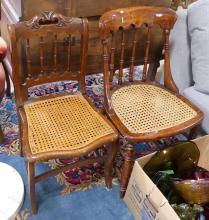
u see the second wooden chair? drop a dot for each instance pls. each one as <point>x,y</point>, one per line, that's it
<point>142,110</point>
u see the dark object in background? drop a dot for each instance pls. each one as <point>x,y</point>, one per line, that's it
<point>206,211</point>
<point>196,174</point>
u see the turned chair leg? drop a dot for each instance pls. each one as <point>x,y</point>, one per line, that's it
<point>108,167</point>
<point>31,182</point>
<point>193,132</point>
<point>127,168</point>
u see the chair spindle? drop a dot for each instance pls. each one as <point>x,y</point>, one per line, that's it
<point>28,58</point>
<point>55,53</point>
<point>69,53</point>
<point>132,57</point>
<point>41,44</point>
<point>112,57</point>
<point>146,54</point>
<point>166,48</point>
<point>121,57</point>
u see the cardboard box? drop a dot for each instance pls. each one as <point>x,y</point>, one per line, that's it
<point>144,199</point>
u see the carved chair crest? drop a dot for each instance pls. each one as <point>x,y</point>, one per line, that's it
<point>48,17</point>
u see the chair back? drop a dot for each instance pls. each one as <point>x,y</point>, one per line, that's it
<point>52,36</point>
<point>128,22</point>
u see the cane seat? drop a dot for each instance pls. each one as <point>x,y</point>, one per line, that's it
<point>66,123</point>
<point>147,108</point>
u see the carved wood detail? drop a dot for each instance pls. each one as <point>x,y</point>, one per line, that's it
<point>48,17</point>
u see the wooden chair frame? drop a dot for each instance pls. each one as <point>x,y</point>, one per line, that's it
<point>133,18</point>
<point>39,26</point>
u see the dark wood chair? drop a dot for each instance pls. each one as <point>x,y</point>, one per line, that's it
<point>141,110</point>
<point>56,126</point>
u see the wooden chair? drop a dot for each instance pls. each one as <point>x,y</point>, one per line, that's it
<point>141,110</point>
<point>57,126</point>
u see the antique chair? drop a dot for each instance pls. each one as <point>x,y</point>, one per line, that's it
<point>56,126</point>
<point>141,110</point>
<point>3,50</point>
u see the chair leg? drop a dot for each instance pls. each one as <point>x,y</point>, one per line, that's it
<point>108,168</point>
<point>193,132</point>
<point>127,168</point>
<point>1,135</point>
<point>31,182</point>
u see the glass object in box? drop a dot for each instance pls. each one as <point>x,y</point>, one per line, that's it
<point>179,157</point>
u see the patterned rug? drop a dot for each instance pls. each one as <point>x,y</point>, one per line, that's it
<point>78,178</point>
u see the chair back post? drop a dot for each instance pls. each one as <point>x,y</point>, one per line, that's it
<point>84,54</point>
<point>54,36</point>
<point>168,79</point>
<point>125,20</point>
<point>108,75</point>
<point>15,66</point>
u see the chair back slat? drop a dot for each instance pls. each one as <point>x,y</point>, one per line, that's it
<point>122,48</point>
<point>41,48</point>
<point>52,58</point>
<point>69,53</point>
<point>28,58</point>
<point>146,56</point>
<point>112,57</point>
<point>55,53</point>
<point>133,56</point>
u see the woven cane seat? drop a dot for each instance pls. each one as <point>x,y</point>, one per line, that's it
<point>63,123</point>
<point>147,108</point>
